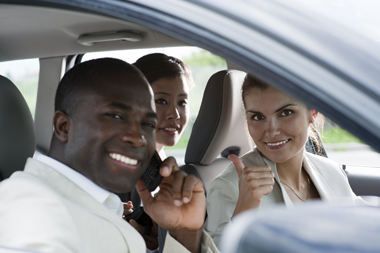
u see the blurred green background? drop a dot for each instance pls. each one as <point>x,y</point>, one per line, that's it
<point>338,135</point>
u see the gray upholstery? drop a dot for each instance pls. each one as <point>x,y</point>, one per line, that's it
<point>220,124</point>
<point>16,129</point>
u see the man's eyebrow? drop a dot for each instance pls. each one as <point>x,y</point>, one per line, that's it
<point>279,109</point>
<point>129,108</point>
<point>121,106</point>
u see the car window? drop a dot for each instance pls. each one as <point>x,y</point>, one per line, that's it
<point>24,74</point>
<point>203,65</point>
<point>344,148</point>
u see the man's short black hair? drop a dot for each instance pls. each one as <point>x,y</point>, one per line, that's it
<point>82,78</point>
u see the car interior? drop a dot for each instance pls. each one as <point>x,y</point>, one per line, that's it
<point>58,45</point>
<point>58,38</point>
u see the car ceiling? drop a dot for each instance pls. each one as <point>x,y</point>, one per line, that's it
<point>38,32</point>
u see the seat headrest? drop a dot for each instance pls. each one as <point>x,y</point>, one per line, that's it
<point>16,129</point>
<point>221,120</point>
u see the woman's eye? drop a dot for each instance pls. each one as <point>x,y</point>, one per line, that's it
<point>183,103</point>
<point>257,117</point>
<point>161,101</point>
<point>286,113</point>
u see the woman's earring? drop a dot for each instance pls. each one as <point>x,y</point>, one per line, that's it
<point>315,114</point>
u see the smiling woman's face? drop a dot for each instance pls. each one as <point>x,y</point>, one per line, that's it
<point>277,123</point>
<point>171,97</point>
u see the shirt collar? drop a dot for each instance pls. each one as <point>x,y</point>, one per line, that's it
<point>108,199</point>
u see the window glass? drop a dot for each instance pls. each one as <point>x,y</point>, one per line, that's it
<point>344,148</point>
<point>24,74</point>
<point>203,65</point>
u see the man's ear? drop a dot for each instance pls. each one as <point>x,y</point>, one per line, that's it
<point>61,126</point>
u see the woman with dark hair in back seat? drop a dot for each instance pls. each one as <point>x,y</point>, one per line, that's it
<point>171,81</point>
<point>277,170</point>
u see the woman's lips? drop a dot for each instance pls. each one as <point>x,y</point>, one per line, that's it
<point>277,145</point>
<point>169,130</point>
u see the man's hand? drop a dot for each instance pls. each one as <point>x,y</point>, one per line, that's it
<point>254,183</point>
<point>179,206</point>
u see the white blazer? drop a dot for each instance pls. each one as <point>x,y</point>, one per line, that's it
<point>41,210</point>
<point>222,195</point>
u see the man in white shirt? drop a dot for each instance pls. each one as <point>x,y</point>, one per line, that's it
<point>104,127</point>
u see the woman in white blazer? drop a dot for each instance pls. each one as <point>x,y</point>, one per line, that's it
<point>278,170</point>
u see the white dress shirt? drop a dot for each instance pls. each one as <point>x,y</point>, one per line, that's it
<point>110,200</point>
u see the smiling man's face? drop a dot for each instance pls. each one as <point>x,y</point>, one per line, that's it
<point>111,135</point>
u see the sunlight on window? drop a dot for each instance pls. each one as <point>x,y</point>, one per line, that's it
<point>24,74</point>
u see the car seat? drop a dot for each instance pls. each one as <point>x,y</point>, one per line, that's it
<point>16,129</point>
<point>219,129</point>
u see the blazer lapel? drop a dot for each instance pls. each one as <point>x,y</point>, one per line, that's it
<point>71,191</point>
<point>132,238</point>
<point>288,202</point>
<point>323,188</point>
<point>261,159</point>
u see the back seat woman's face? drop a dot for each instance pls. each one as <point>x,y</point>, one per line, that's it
<point>171,98</point>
